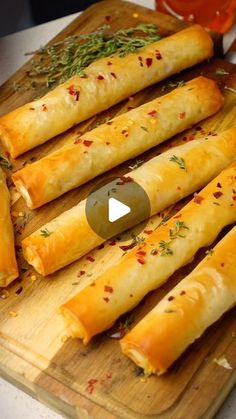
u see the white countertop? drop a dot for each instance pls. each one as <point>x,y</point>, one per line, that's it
<point>15,403</point>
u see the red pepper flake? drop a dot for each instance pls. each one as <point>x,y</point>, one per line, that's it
<point>113,75</point>
<point>108,18</point>
<point>91,384</point>
<point>106,299</point>
<point>112,243</point>
<point>140,58</point>
<point>234,197</point>
<point>198,199</point>
<point>148,231</point>
<point>127,246</point>
<point>198,128</point>
<point>125,133</point>
<point>153,113</point>
<point>109,289</point>
<point>45,108</point>
<point>73,92</point>
<point>130,108</point>
<point>222,264</point>
<point>87,143</point>
<point>32,109</point>
<point>81,273</point>
<point>182,115</point>
<point>217,194</point>
<point>158,55</point>
<point>219,185</point>
<point>90,258</point>
<point>100,77</point>
<point>141,253</point>
<point>108,143</point>
<point>141,261</point>
<point>178,216</point>
<point>183,293</point>
<point>171,298</point>
<point>109,63</point>
<point>124,179</point>
<point>101,246</point>
<point>78,141</point>
<point>154,252</point>
<point>189,138</point>
<point>149,62</point>
<point>178,188</point>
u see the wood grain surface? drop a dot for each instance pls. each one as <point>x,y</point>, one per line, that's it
<point>35,353</point>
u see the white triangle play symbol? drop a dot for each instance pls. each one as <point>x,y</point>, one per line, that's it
<point>117,210</point>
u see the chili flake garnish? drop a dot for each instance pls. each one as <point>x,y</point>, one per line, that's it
<point>113,75</point>
<point>108,18</point>
<point>141,253</point>
<point>109,63</point>
<point>154,252</point>
<point>45,108</point>
<point>182,115</point>
<point>100,77</point>
<point>106,299</point>
<point>87,143</point>
<point>124,179</point>
<point>217,194</point>
<point>198,199</point>
<point>141,261</point>
<point>78,141</point>
<point>73,92</point>
<point>125,133</point>
<point>158,55</point>
<point>90,258</point>
<point>149,62</point>
<point>101,246</point>
<point>109,289</point>
<point>91,384</point>
<point>148,231</point>
<point>183,293</point>
<point>219,185</point>
<point>171,298</point>
<point>153,113</point>
<point>128,246</point>
<point>81,273</point>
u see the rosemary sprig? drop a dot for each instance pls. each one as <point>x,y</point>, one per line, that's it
<point>180,83</point>
<point>5,163</point>
<point>180,161</point>
<point>58,62</point>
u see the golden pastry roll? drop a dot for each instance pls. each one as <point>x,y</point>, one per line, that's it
<point>151,263</point>
<point>8,265</point>
<point>123,138</point>
<point>186,311</point>
<point>108,81</point>
<point>166,179</point>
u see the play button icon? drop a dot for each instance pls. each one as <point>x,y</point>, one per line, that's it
<point>116,206</point>
<point>116,210</point>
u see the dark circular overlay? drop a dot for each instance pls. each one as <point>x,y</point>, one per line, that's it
<point>127,192</point>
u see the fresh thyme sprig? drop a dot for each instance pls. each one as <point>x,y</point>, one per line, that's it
<point>164,246</point>
<point>5,163</point>
<point>180,161</point>
<point>58,62</point>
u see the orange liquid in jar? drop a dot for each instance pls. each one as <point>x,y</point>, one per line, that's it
<point>217,15</point>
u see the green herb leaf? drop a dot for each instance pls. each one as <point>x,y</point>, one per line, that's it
<point>45,232</point>
<point>4,162</point>
<point>221,72</point>
<point>58,62</point>
<point>180,161</point>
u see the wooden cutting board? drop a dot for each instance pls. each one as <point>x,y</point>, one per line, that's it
<point>35,353</point>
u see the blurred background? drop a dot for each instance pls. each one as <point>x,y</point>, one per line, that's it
<point>16,15</point>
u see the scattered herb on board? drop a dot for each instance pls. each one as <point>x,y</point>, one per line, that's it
<point>180,161</point>
<point>221,72</point>
<point>58,62</point>
<point>137,164</point>
<point>5,163</point>
<point>45,232</point>
<point>180,83</point>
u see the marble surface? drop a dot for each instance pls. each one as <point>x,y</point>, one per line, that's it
<point>14,402</point>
